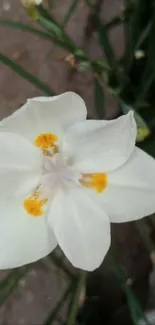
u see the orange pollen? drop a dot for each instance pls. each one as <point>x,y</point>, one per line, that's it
<point>46,140</point>
<point>34,206</point>
<point>98,181</point>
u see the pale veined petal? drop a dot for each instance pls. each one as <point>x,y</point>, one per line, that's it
<point>46,115</point>
<point>20,165</point>
<point>130,193</point>
<point>101,146</point>
<point>81,228</point>
<point>23,238</point>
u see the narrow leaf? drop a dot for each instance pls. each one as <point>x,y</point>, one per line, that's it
<point>99,99</point>
<point>25,28</point>
<point>75,300</point>
<point>10,283</point>
<point>60,264</point>
<point>149,72</point>
<point>26,75</point>
<point>52,315</point>
<point>70,11</point>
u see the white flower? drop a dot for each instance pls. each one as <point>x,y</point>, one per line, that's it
<point>63,179</point>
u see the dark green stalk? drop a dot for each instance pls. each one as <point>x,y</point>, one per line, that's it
<point>26,75</point>
<point>75,302</point>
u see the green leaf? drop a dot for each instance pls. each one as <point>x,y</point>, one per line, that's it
<point>99,99</point>
<point>143,36</point>
<point>136,18</point>
<point>24,28</point>
<point>143,130</point>
<point>10,283</point>
<point>149,72</point>
<point>70,11</point>
<point>116,71</point>
<point>58,34</point>
<point>45,13</point>
<point>26,75</point>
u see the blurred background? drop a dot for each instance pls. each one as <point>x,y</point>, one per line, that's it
<point>111,64</point>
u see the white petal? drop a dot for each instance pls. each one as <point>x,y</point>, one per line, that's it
<point>46,114</point>
<point>101,146</point>
<point>130,194</point>
<point>20,165</point>
<point>23,239</point>
<point>81,229</point>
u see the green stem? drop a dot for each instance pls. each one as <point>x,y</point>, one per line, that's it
<point>11,282</point>
<point>143,232</point>
<point>58,262</point>
<point>75,303</point>
<point>70,11</point>
<point>25,28</point>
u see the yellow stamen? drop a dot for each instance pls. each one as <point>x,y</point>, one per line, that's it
<point>34,206</point>
<point>46,140</point>
<point>98,181</point>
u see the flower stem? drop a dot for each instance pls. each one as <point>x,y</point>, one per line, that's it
<point>75,303</point>
<point>141,226</point>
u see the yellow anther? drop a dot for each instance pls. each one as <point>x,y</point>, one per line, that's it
<point>46,140</point>
<point>34,206</point>
<point>98,181</point>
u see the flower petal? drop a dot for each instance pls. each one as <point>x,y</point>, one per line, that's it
<point>46,114</point>
<point>20,165</point>
<point>23,239</point>
<point>101,146</point>
<point>81,229</point>
<point>130,194</point>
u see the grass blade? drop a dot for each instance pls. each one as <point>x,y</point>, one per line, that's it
<point>10,283</point>
<point>149,72</point>
<point>75,302</point>
<point>70,12</point>
<point>26,75</point>
<point>25,28</point>
<point>99,99</point>
<point>51,317</point>
<point>59,263</point>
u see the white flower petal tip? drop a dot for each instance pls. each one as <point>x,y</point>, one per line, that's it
<point>81,229</point>
<point>130,194</point>
<point>30,3</point>
<point>101,145</point>
<point>46,114</point>
<point>68,100</point>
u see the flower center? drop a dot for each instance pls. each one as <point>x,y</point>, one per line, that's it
<point>58,175</point>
